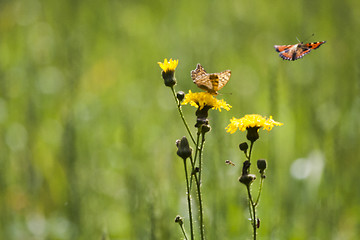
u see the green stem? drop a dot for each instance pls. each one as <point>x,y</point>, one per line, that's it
<point>252,212</point>
<point>252,205</point>
<point>193,162</point>
<point>260,189</point>
<point>250,151</point>
<point>198,183</point>
<point>183,231</point>
<point>182,115</point>
<point>189,201</point>
<point>200,154</point>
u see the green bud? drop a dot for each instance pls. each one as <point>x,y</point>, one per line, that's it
<point>261,164</point>
<point>243,146</point>
<point>184,150</point>
<point>179,220</point>
<point>205,128</point>
<point>247,179</point>
<point>180,95</point>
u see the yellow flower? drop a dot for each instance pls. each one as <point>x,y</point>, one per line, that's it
<point>168,71</point>
<point>251,121</point>
<point>168,66</point>
<point>202,99</point>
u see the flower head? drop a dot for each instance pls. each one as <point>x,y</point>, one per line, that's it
<point>168,71</point>
<point>168,66</point>
<point>251,121</point>
<point>205,99</point>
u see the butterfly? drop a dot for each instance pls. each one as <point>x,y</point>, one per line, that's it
<point>210,82</point>
<point>294,52</point>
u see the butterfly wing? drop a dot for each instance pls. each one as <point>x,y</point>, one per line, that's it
<point>304,49</point>
<point>281,48</point>
<point>314,45</point>
<point>287,52</point>
<point>300,53</point>
<point>223,78</point>
<point>201,78</point>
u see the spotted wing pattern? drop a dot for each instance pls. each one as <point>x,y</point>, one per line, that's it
<point>210,82</point>
<point>294,52</point>
<point>314,45</point>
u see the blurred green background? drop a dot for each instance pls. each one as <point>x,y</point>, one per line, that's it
<point>88,128</point>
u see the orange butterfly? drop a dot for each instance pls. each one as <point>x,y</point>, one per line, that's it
<point>293,52</point>
<point>210,82</point>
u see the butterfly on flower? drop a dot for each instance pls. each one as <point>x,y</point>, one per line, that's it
<point>294,52</point>
<point>210,82</point>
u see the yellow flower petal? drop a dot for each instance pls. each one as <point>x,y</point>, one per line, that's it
<point>252,120</point>
<point>202,99</point>
<point>168,66</point>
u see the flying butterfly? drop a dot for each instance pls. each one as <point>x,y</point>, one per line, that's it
<point>210,82</point>
<point>294,52</point>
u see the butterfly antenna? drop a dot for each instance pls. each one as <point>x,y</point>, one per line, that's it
<point>310,36</point>
<point>306,38</point>
<point>225,93</point>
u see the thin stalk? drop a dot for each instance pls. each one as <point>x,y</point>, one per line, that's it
<point>193,162</point>
<point>200,154</point>
<point>250,151</point>
<point>198,188</point>
<point>183,231</point>
<point>182,115</point>
<point>198,184</point>
<point>197,145</point>
<point>189,201</point>
<point>260,189</point>
<point>252,211</point>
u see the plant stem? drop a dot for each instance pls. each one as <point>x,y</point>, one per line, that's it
<point>189,201</point>
<point>260,189</point>
<point>198,183</point>
<point>182,115</point>
<point>252,211</point>
<point>183,231</point>
<point>200,154</point>
<point>251,202</point>
<point>193,162</point>
<point>250,151</point>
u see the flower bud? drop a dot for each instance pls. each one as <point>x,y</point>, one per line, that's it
<point>243,146</point>
<point>247,179</point>
<point>205,128</point>
<point>179,220</point>
<point>180,95</point>
<point>261,164</point>
<point>184,150</point>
